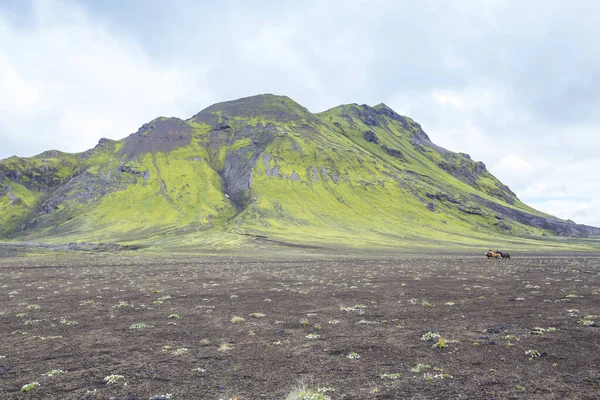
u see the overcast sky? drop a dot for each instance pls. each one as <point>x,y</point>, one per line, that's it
<point>516,84</point>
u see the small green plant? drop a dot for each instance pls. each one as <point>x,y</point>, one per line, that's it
<point>588,320</point>
<point>396,375</point>
<point>420,367</point>
<point>174,316</point>
<point>256,315</point>
<point>237,320</point>
<point>55,372</point>
<point>353,356</point>
<point>122,304</point>
<point>304,322</point>
<point>441,343</point>
<point>180,351</point>
<point>427,304</point>
<point>112,379</point>
<point>140,326</point>
<point>30,387</point>
<point>303,392</point>
<point>225,347</point>
<point>33,307</point>
<point>532,353</point>
<point>430,336</point>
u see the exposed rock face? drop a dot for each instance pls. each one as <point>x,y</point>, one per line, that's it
<point>471,209</point>
<point>268,170</point>
<point>558,227</point>
<point>443,197</point>
<point>394,153</point>
<point>160,135</point>
<point>371,137</point>
<point>239,164</point>
<point>237,174</point>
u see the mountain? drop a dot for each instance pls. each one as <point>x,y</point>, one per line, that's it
<point>264,167</point>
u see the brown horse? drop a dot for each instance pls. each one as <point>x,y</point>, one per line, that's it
<point>492,254</point>
<point>503,254</point>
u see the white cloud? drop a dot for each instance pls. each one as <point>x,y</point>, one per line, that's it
<point>67,82</point>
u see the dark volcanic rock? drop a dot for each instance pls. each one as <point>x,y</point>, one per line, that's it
<point>394,153</point>
<point>369,115</point>
<point>471,209</point>
<point>558,227</point>
<point>443,197</point>
<point>503,225</point>
<point>371,137</point>
<point>160,135</point>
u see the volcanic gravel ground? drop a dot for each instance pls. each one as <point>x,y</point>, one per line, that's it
<point>523,328</point>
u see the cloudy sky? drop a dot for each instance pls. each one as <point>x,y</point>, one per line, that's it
<point>515,84</point>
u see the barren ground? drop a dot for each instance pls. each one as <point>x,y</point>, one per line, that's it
<point>353,324</point>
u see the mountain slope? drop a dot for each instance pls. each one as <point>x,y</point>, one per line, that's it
<point>266,166</point>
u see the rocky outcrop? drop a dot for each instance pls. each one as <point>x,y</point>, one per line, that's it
<point>160,135</point>
<point>556,226</point>
<point>442,196</point>
<point>394,153</point>
<point>371,137</point>
<point>472,209</point>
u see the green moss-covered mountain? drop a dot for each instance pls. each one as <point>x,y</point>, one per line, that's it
<point>264,166</point>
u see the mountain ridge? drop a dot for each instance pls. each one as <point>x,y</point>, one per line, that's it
<point>264,165</point>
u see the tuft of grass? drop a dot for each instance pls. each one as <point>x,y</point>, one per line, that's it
<point>30,387</point>
<point>55,372</point>
<point>225,347</point>
<point>420,367</point>
<point>532,353</point>
<point>304,392</point>
<point>237,320</point>
<point>140,326</point>
<point>112,379</point>
<point>393,376</point>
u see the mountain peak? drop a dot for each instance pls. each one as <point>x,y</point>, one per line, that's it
<point>263,106</point>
